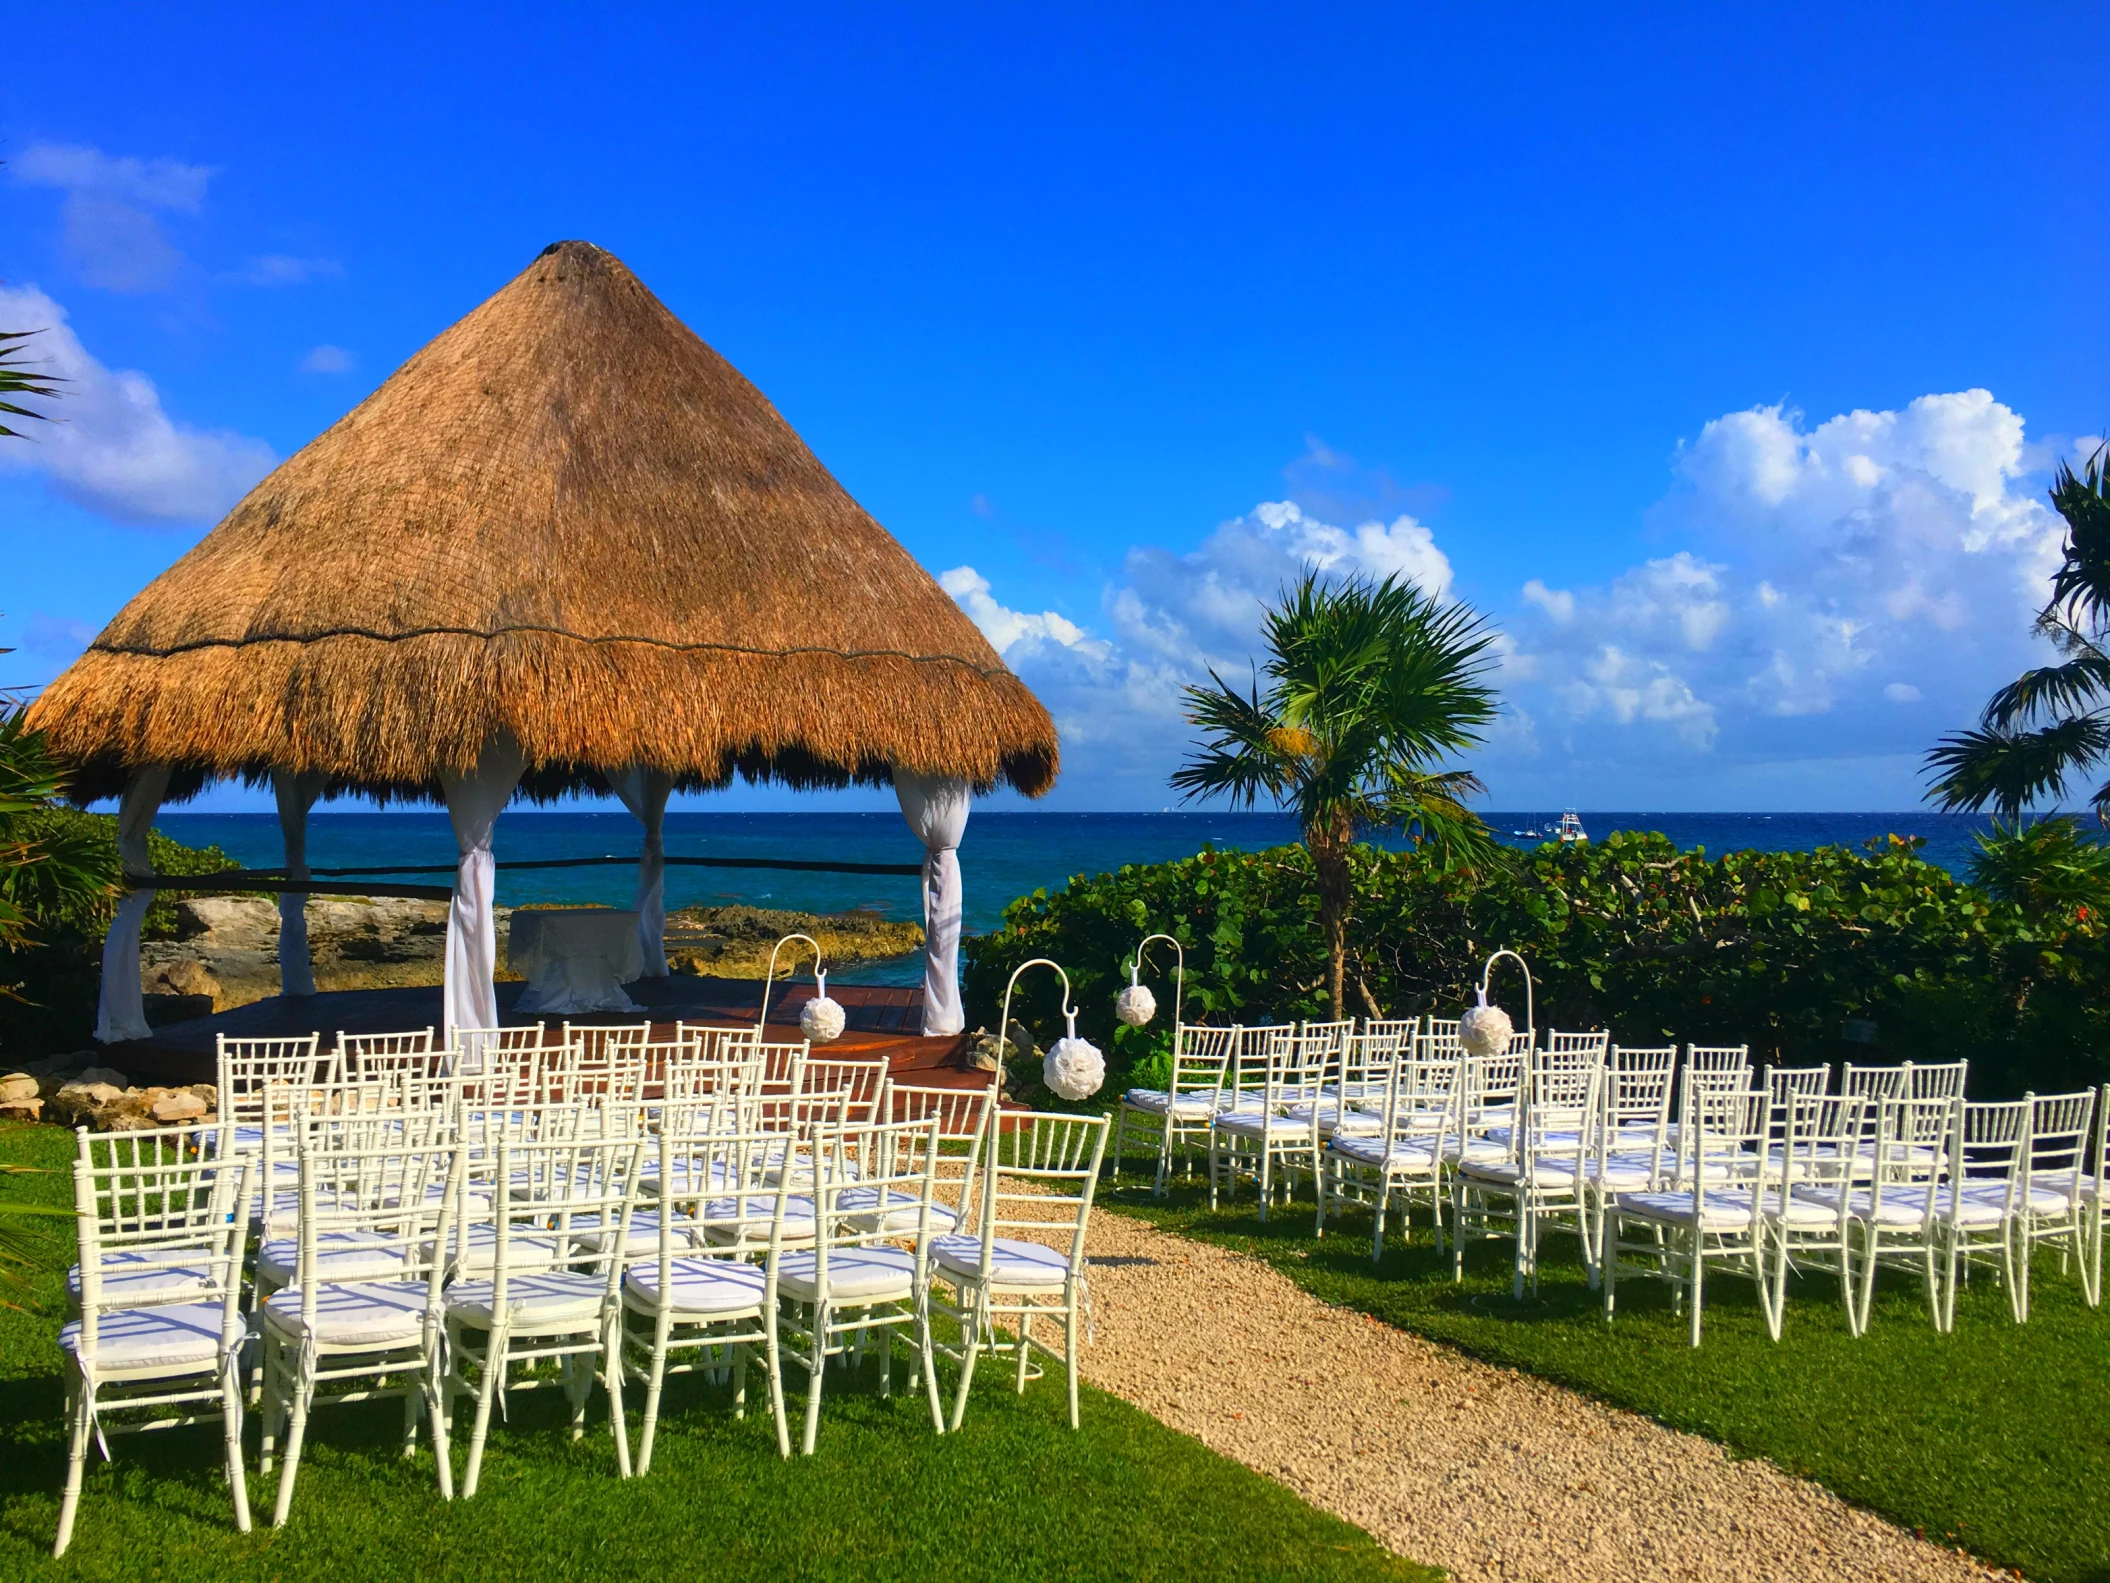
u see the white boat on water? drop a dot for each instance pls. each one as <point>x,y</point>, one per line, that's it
<point>1568,829</point>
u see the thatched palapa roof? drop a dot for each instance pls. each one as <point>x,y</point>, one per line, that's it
<point>567,517</point>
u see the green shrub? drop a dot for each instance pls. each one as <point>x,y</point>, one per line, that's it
<point>1780,950</point>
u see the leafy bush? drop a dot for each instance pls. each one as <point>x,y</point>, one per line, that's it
<point>1780,950</point>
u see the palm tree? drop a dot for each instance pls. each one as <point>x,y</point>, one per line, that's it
<point>1369,687</point>
<point>2054,721</point>
<point>18,380</point>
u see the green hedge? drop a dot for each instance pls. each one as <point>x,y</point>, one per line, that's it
<point>1779,950</point>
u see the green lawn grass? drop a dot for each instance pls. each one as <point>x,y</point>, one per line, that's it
<point>1014,1495</point>
<point>1995,1437</point>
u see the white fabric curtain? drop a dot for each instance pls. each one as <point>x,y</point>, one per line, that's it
<point>296,795</point>
<point>936,810</point>
<point>474,802</point>
<point>121,1011</point>
<point>644,793</point>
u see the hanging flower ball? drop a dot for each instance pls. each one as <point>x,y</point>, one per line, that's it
<point>1074,1068</point>
<point>821,1019</point>
<point>1136,1005</point>
<point>1484,1029</point>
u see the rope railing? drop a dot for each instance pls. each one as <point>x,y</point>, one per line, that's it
<point>331,881</point>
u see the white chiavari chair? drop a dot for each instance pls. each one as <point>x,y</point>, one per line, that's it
<point>706,1303</point>
<point>1715,1212</point>
<point>960,1114</point>
<point>1798,1082</point>
<point>547,1296</point>
<point>1260,1139</point>
<point>1813,1141</point>
<point>1037,1178</point>
<point>1246,1077</point>
<point>1540,1180</point>
<point>1178,1114</point>
<point>245,1066</point>
<point>1404,1158</point>
<point>2063,1201</point>
<point>1977,1211</point>
<point>157,1295</point>
<point>375,1338</point>
<point>852,1283</point>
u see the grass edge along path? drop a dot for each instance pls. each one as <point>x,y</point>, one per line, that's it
<point>1015,1494</point>
<point>1994,1439</point>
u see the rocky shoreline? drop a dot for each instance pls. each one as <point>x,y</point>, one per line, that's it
<point>225,953</point>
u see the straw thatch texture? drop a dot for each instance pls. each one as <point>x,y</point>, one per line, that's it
<point>569,518</point>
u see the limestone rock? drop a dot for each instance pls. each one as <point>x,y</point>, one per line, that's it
<point>21,1109</point>
<point>177,1106</point>
<point>16,1087</point>
<point>105,1074</point>
<point>77,1101</point>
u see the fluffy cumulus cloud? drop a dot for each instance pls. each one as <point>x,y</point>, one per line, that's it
<point>112,221</point>
<point>109,445</point>
<point>328,359</point>
<point>1825,599</point>
<point>1842,590</point>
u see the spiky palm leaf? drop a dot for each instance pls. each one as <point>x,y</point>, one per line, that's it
<point>18,379</point>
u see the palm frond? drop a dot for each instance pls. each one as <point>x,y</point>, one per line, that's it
<point>2079,684</point>
<point>2080,589</point>
<point>2010,770</point>
<point>1238,759</point>
<point>17,379</point>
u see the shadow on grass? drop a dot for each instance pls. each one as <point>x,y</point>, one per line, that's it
<point>1995,1437</point>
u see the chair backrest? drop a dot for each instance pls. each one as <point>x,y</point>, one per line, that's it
<point>737,1182</point>
<point>1298,1066</point>
<point>398,1200</point>
<point>1798,1082</point>
<point>2061,1127</point>
<point>472,1048</point>
<point>159,1202</point>
<point>1819,1137</point>
<point>1937,1080</point>
<point>1439,1035</point>
<point>1201,1058</point>
<point>1993,1140</point>
<point>1559,1104</point>
<point>962,1116</point>
<point>1258,1050</point>
<point>1722,1066</point>
<point>1423,1098</point>
<point>1722,1137</point>
<point>1638,1081</point>
<point>710,1041</point>
<point>1916,1141</point>
<point>1876,1082</point>
<point>1492,1083</point>
<point>557,1187</point>
<point>1329,1041</point>
<point>1595,1043</point>
<point>1039,1172</point>
<point>247,1065</point>
<point>367,1055</point>
<point>1371,1053</point>
<point>860,1083</point>
<point>896,1170</point>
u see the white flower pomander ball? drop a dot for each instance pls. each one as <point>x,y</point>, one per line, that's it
<point>1485,1029</point>
<point>1136,1005</point>
<point>821,1019</point>
<point>1074,1068</point>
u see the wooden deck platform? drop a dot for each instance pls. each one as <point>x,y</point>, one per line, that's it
<point>884,1020</point>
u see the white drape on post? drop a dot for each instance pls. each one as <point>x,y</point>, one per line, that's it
<point>121,1011</point>
<point>474,802</point>
<point>936,809</point>
<point>296,794</point>
<point>644,793</point>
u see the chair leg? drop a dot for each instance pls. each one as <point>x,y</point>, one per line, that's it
<point>1608,1263</point>
<point>76,1464</point>
<point>578,1388</point>
<point>1377,1222</point>
<point>231,1392</point>
<point>296,1434</point>
<point>928,1362</point>
<point>1213,1151</point>
<point>1025,1349</point>
<point>2017,1264</point>
<point>440,1408</point>
<point>1699,1276</point>
<point>816,1371</point>
<point>1267,1178</point>
<point>612,1355</point>
<point>488,1384</point>
<point>773,1360</point>
<point>977,1321</point>
<point>654,1384</point>
<point>1070,1354</point>
<point>1121,1141</point>
<point>413,1404</point>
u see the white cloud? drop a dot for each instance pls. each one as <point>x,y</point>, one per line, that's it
<point>1902,693</point>
<point>327,359</point>
<point>283,269</point>
<point>1012,630</point>
<point>110,446</point>
<point>110,220</point>
<point>1558,603</point>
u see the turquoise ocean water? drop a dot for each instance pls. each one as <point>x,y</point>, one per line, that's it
<point>1003,856</point>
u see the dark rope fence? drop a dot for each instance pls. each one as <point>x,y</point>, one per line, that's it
<point>330,883</point>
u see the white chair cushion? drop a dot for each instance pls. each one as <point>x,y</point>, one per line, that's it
<point>643,1241</point>
<point>339,1256</point>
<point>371,1316</point>
<point>1904,1206</point>
<point>554,1297</point>
<point>1259,1124</point>
<point>855,1275</point>
<point>753,1213</point>
<point>1398,1158</point>
<point>902,1212</point>
<point>690,1177</point>
<point>136,1275</point>
<point>1720,1209</point>
<point>1014,1263</point>
<point>2050,1192</point>
<point>698,1286</point>
<point>175,1338</point>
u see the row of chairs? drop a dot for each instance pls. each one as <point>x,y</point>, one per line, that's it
<point>425,1232</point>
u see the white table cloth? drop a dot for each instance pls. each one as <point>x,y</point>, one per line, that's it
<point>575,958</point>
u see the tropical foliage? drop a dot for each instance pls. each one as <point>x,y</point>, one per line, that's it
<point>1369,688</point>
<point>1806,956</point>
<point>2051,724</point>
<point>20,379</point>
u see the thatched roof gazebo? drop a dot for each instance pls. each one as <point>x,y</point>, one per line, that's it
<point>566,545</point>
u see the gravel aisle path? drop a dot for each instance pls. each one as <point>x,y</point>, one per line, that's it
<point>1490,1473</point>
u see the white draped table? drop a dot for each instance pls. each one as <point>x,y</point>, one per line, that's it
<point>575,958</point>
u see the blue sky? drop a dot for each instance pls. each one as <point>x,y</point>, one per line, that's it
<point>1719,355</point>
